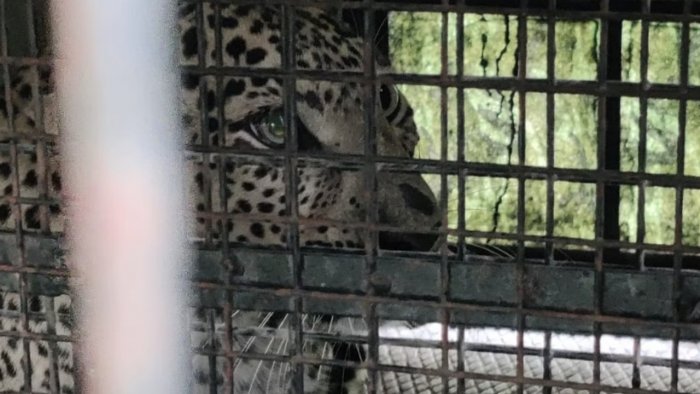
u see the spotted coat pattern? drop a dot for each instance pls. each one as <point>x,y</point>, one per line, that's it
<point>241,202</point>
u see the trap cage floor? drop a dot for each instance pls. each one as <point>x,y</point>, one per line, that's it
<point>563,161</point>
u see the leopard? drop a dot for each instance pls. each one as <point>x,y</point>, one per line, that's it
<point>226,114</point>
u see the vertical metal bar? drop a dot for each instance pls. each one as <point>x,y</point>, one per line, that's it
<point>124,161</point>
<point>677,265</point>
<point>296,331</point>
<point>16,205</point>
<point>228,310</point>
<point>221,132</point>
<point>636,366</point>
<point>549,221</point>
<point>461,225</point>
<point>680,165</point>
<point>206,157</point>
<point>444,268</point>
<point>203,125</point>
<point>522,121</point>
<point>551,57</point>
<point>610,69</point>
<point>381,36</point>
<point>40,144</point>
<point>461,142</point>
<point>608,148</point>
<point>461,348</point>
<point>42,172</point>
<point>444,264</point>
<point>222,166</point>
<point>42,33</point>
<point>211,327</point>
<point>547,356</point>
<point>370,182</point>
<point>642,152</point>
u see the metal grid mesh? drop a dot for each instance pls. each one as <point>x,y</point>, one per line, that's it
<point>30,315</point>
<point>614,286</point>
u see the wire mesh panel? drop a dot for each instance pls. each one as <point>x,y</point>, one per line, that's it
<point>400,197</point>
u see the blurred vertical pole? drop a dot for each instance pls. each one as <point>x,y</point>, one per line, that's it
<point>122,160</point>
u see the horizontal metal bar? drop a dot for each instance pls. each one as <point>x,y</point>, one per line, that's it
<point>632,298</point>
<point>353,162</point>
<point>38,336</point>
<point>560,293</point>
<point>418,343</point>
<point>40,248</point>
<point>565,10</point>
<point>456,374</point>
<point>593,88</point>
<point>44,252</point>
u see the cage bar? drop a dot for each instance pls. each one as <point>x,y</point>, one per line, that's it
<point>522,132</point>
<point>443,206</point>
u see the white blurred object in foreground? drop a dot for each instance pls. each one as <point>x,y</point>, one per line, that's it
<point>117,80</point>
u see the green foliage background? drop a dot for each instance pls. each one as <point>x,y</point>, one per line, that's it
<point>491,121</point>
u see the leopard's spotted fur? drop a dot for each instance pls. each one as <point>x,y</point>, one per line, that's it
<point>219,112</point>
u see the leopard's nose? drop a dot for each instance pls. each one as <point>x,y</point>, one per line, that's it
<point>418,242</point>
<point>409,241</point>
<point>409,206</point>
<point>417,200</point>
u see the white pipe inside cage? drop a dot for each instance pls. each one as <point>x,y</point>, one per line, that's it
<point>123,163</point>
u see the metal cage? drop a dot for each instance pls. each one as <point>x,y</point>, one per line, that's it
<point>606,302</point>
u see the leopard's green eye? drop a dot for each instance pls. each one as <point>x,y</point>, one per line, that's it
<point>270,128</point>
